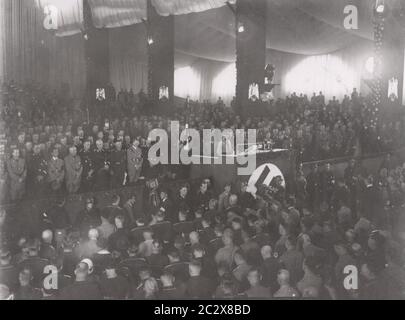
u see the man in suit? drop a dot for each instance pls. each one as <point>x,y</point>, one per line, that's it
<point>17,173</point>
<point>292,260</point>
<point>101,167</point>
<point>167,205</point>
<point>88,167</point>
<point>134,161</point>
<point>198,286</point>
<point>74,169</point>
<point>170,289</point>
<point>56,171</point>
<point>269,268</point>
<point>313,187</point>
<point>118,165</point>
<point>37,169</point>
<point>82,288</point>
<point>328,183</point>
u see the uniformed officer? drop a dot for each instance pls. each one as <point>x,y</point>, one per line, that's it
<point>135,160</point>
<point>328,183</point>
<point>17,173</point>
<point>37,171</point>
<point>56,171</point>
<point>88,167</point>
<point>74,169</point>
<point>118,165</point>
<point>351,179</point>
<point>101,167</point>
<point>313,187</point>
<point>3,179</point>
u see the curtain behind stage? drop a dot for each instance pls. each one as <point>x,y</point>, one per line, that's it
<point>32,53</point>
<point>128,58</point>
<point>2,42</point>
<point>334,74</point>
<point>24,56</point>
<point>67,64</point>
<point>196,79</point>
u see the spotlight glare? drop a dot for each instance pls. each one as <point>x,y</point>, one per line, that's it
<point>150,41</point>
<point>241,28</point>
<point>370,65</point>
<point>380,8</point>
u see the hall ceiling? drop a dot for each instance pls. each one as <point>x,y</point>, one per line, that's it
<point>206,28</point>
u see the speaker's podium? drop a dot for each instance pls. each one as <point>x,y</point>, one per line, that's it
<point>224,167</point>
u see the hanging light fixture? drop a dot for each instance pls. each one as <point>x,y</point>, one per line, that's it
<point>150,41</point>
<point>380,6</point>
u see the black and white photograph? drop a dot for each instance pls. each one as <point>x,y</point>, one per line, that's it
<point>185,151</point>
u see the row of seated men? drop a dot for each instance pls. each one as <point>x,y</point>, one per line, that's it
<point>187,269</point>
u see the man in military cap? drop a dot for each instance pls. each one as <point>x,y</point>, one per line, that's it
<point>313,187</point>
<point>351,174</point>
<point>88,167</point>
<point>17,173</point>
<point>328,183</point>
<point>74,169</point>
<point>118,165</point>
<point>56,171</point>
<point>135,160</point>
<point>101,167</point>
<point>37,170</point>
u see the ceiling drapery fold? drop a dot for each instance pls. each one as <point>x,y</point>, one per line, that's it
<point>205,28</point>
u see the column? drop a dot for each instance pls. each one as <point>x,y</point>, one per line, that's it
<point>97,54</point>
<point>160,54</point>
<point>393,60</point>
<point>250,49</point>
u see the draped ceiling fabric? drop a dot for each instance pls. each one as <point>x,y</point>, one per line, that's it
<point>295,29</point>
<point>69,15</point>
<point>24,55</point>
<point>32,53</point>
<point>117,13</point>
<point>298,26</point>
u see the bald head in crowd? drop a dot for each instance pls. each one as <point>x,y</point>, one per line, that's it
<point>82,271</point>
<point>233,200</point>
<point>266,252</point>
<point>47,236</point>
<point>93,234</point>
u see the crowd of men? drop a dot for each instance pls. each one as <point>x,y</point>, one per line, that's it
<point>60,154</point>
<point>192,242</point>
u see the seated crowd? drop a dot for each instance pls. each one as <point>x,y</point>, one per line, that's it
<point>195,244</point>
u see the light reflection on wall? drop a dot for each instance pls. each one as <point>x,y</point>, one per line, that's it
<point>224,84</point>
<point>326,73</point>
<point>187,83</point>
